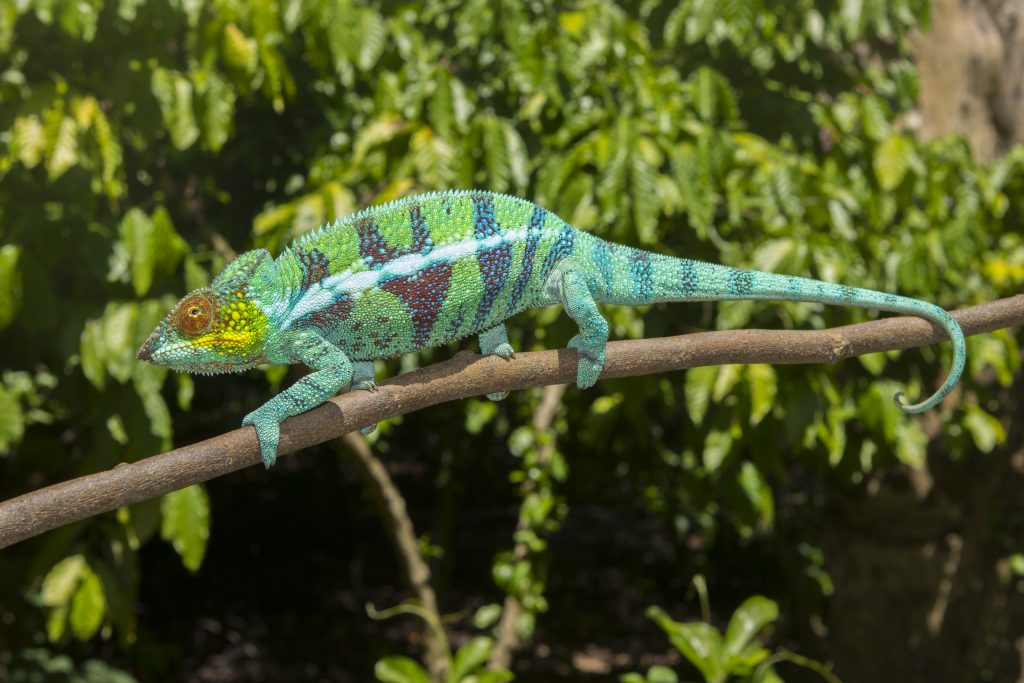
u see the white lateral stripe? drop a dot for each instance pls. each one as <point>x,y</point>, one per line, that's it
<point>325,292</point>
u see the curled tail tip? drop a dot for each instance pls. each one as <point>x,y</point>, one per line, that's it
<point>913,408</point>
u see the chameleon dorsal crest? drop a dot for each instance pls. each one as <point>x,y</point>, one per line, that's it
<point>240,269</point>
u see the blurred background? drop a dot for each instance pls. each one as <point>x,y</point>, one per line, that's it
<point>143,143</point>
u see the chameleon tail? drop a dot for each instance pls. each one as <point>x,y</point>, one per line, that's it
<point>630,276</point>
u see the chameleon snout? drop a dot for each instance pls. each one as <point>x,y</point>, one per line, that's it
<point>146,352</point>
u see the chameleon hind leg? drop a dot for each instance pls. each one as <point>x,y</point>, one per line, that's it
<point>494,341</point>
<point>364,377</point>
<point>333,370</point>
<point>578,301</point>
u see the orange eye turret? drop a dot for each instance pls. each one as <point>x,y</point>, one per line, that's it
<point>194,315</point>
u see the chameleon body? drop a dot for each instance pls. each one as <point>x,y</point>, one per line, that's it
<point>428,269</point>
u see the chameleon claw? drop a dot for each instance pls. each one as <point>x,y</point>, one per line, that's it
<point>365,385</point>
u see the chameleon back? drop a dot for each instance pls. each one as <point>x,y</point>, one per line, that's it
<point>418,272</point>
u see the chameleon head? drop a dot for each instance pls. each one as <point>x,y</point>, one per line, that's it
<point>215,329</point>
<point>209,332</point>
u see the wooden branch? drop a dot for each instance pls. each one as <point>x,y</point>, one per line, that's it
<point>466,375</point>
<point>398,526</point>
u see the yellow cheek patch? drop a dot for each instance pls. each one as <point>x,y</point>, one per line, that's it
<point>240,330</point>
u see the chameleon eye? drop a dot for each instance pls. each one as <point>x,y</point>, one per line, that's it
<point>195,315</point>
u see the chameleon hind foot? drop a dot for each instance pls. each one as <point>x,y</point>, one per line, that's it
<point>579,303</point>
<point>494,342</point>
<point>364,379</point>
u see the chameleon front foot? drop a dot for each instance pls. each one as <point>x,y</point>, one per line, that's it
<point>268,431</point>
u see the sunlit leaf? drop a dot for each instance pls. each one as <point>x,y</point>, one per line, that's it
<point>892,160</point>
<point>470,656</point>
<point>10,283</point>
<point>62,579</point>
<point>700,643</point>
<point>747,621</point>
<point>399,669</point>
<point>699,382</point>
<point>763,388</point>
<point>174,93</point>
<point>88,606</point>
<point>186,523</point>
<point>986,430</point>
<point>12,420</point>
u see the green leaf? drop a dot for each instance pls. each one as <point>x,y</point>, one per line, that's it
<point>372,35</point>
<point>139,241</point>
<point>173,91</point>
<point>487,615</point>
<point>399,669</point>
<point>661,674</point>
<point>763,387</point>
<point>892,159</point>
<point>239,51</point>
<point>216,110</point>
<point>698,390</point>
<point>12,421</point>
<point>758,492</point>
<point>717,447</point>
<point>63,148</point>
<point>986,429</point>
<point>62,579</point>
<point>700,643</point>
<point>152,244</point>
<point>88,606</point>
<point>911,442</point>
<point>186,523</point>
<point>747,621</point>
<point>10,283</point>
<point>470,657</point>
<point>728,377</point>
<point>28,140</point>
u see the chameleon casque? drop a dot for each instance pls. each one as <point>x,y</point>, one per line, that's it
<point>428,269</point>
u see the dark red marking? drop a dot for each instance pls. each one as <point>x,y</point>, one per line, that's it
<point>422,294</point>
<point>315,267</point>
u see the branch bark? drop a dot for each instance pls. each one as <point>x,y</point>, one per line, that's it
<point>466,375</point>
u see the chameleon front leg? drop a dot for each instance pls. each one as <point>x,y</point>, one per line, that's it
<point>495,341</point>
<point>579,303</point>
<point>333,370</point>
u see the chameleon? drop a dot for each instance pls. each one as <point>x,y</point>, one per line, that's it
<point>428,269</point>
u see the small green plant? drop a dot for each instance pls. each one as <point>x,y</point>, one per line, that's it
<point>736,655</point>
<point>466,665</point>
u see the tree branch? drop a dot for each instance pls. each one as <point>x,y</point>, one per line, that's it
<point>463,376</point>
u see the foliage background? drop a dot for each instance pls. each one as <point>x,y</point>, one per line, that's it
<point>144,143</point>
